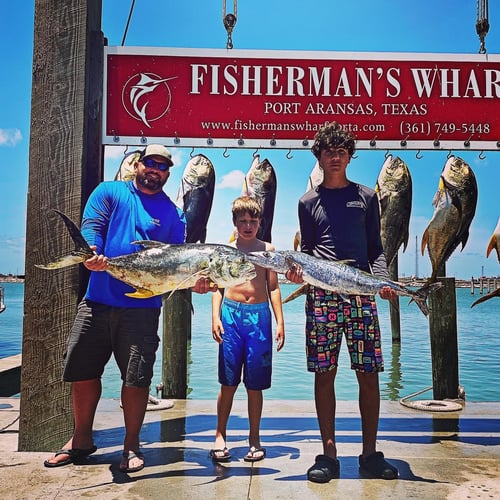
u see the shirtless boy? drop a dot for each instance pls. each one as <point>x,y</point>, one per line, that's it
<point>241,324</point>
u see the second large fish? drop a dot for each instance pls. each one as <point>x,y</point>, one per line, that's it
<point>338,276</point>
<point>260,183</point>
<point>394,192</point>
<point>195,197</point>
<point>455,205</point>
<point>161,268</point>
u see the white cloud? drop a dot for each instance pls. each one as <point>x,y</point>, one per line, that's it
<point>10,136</point>
<point>232,180</point>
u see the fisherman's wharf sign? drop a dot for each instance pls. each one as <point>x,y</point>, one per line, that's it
<point>247,98</point>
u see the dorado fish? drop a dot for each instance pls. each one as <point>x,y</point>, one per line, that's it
<point>314,180</point>
<point>159,267</point>
<point>494,242</point>
<point>260,183</point>
<point>394,192</point>
<point>195,197</point>
<point>338,276</point>
<point>455,205</point>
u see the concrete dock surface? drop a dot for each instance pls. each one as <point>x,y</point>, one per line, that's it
<point>439,455</point>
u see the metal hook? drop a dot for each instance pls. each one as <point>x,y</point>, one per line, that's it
<point>419,155</point>
<point>449,155</point>
<point>225,154</point>
<point>255,152</point>
<point>191,154</point>
<point>289,154</point>
<point>126,149</point>
<point>482,156</point>
<point>386,154</point>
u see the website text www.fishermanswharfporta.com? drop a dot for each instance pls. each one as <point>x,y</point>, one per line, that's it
<point>305,126</point>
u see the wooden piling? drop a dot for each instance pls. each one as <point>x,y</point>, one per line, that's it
<point>443,340</point>
<point>177,311</point>
<point>394,307</point>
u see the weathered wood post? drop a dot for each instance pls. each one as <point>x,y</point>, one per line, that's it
<point>444,343</point>
<point>65,165</point>
<point>394,308</point>
<point>176,331</point>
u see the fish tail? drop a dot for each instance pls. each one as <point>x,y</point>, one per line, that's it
<point>80,253</point>
<point>494,293</point>
<point>420,296</point>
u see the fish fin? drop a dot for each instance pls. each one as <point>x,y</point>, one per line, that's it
<point>297,293</point>
<point>425,240</point>
<point>141,293</point>
<point>405,239</point>
<point>494,293</point>
<point>491,245</point>
<point>420,295</point>
<point>80,253</point>
<point>150,243</point>
<point>296,240</point>
<point>202,272</point>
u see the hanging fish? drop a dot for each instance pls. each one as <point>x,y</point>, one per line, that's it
<point>126,171</point>
<point>314,180</point>
<point>394,192</point>
<point>260,183</point>
<point>195,196</point>
<point>455,205</point>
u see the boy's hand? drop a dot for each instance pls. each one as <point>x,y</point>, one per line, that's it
<point>96,262</point>
<point>294,274</point>
<point>388,293</point>
<point>217,331</point>
<point>280,338</point>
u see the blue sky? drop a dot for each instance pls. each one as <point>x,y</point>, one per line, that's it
<point>446,26</point>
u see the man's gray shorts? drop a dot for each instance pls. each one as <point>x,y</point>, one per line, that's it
<point>99,330</point>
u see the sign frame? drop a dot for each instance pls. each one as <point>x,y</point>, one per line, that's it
<point>368,67</point>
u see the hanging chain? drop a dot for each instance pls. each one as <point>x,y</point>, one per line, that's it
<point>482,24</point>
<point>229,21</point>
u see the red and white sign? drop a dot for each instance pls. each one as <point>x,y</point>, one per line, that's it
<point>243,98</point>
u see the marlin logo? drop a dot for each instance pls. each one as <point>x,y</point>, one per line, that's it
<point>147,97</point>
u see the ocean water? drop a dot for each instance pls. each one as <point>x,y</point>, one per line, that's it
<point>408,366</point>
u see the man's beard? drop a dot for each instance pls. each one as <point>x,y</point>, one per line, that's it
<point>149,181</point>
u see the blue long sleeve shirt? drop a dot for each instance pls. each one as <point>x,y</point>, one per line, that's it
<point>116,214</point>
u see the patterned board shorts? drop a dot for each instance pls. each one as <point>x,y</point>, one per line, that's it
<point>328,317</point>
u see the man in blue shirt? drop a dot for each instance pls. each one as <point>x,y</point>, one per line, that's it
<point>109,322</point>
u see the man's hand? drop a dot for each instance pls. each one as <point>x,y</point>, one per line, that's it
<point>96,262</point>
<point>204,285</point>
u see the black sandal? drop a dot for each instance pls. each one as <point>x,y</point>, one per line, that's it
<point>376,466</point>
<point>324,469</point>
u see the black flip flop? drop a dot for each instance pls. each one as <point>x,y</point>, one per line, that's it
<point>74,456</point>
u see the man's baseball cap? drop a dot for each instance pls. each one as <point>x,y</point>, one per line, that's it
<point>158,150</point>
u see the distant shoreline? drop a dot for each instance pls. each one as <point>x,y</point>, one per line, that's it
<point>11,279</point>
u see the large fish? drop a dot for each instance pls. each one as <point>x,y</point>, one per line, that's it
<point>195,196</point>
<point>394,192</point>
<point>494,242</point>
<point>161,268</point>
<point>455,205</point>
<point>314,180</point>
<point>338,276</point>
<point>126,171</point>
<point>260,183</point>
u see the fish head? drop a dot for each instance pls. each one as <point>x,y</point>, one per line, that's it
<point>261,177</point>
<point>268,259</point>
<point>229,267</point>
<point>394,175</point>
<point>198,171</point>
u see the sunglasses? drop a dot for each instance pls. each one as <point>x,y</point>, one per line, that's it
<point>150,163</point>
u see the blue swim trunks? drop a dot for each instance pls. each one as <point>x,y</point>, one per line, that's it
<point>247,345</point>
